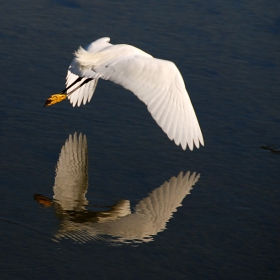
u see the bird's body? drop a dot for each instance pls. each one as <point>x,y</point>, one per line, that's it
<point>156,82</point>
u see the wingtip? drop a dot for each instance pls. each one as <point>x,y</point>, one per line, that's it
<point>191,147</point>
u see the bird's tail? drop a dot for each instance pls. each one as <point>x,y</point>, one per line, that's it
<point>90,60</point>
<point>83,57</point>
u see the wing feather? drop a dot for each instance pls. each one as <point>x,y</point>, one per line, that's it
<point>161,110</point>
<point>174,125</point>
<point>185,132</point>
<point>82,94</point>
<point>178,133</point>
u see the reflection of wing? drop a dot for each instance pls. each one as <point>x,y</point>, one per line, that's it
<point>158,207</point>
<point>71,181</point>
<point>150,217</point>
<point>151,213</point>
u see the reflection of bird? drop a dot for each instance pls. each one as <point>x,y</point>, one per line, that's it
<point>156,82</point>
<point>117,223</point>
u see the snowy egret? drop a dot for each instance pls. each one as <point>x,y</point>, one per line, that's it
<point>156,82</point>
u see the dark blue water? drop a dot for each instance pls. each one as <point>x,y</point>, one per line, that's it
<point>228,54</point>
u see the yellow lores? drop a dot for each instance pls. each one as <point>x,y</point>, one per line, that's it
<point>55,98</point>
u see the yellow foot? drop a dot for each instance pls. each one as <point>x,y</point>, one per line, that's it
<point>43,200</point>
<point>55,98</point>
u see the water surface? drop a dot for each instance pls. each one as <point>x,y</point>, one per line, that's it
<point>228,226</point>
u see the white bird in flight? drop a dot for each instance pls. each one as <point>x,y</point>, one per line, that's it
<point>156,82</point>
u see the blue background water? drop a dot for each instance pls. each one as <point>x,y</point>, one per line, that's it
<point>228,54</point>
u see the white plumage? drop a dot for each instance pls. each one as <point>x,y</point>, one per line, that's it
<point>156,82</point>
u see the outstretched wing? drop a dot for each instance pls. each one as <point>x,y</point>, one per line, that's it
<point>160,205</point>
<point>158,83</point>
